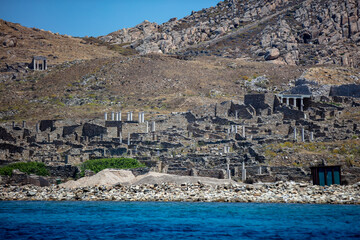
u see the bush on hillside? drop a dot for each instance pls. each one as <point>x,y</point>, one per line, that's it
<point>96,165</point>
<point>25,167</point>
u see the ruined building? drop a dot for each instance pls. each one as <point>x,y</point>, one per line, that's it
<point>39,63</point>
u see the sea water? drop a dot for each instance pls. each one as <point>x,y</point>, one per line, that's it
<point>160,220</point>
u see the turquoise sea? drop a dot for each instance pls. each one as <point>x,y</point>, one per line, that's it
<point>159,220</point>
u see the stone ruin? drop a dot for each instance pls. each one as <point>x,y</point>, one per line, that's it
<point>39,63</point>
<point>221,140</point>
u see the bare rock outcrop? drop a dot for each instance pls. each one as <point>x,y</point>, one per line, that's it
<point>9,41</point>
<point>272,54</point>
<point>305,32</point>
<point>205,25</point>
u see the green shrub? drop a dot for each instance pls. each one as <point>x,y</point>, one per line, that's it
<point>96,165</point>
<point>25,167</point>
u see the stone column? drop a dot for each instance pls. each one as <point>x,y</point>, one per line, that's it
<point>24,124</point>
<point>236,171</point>
<point>131,116</point>
<point>225,149</point>
<point>302,105</point>
<point>243,133</point>
<point>147,127</point>
<point>243,172</point>
<point>303,134</point>
<point>120,137</point>
<point>128,139</point>
<point>295,102</point>
<point>228,171</point>
<point>106,116</point>
<point>312,136</point>
<point>37,128</point>
<point>287,101</point>
<point>120,116</point>
<point>117,116</point>
<point>295,136</point>
<point>112,116</point>
<point>143,117</point>
<point>260,170</point>
<point>236,129</point>
<point>153,126</point>
<point>128,116</point>
<point>140,117</point>
<point>236,114</point>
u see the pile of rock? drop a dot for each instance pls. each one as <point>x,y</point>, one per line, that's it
<point>280,192</point>
<point>201,26</point>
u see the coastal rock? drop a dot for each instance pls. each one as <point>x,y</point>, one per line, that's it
<point>281,192</point>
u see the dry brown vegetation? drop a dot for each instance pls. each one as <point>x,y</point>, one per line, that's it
<point>86,78</point>
<point>57,48</point>
<point>154,83</point>
<point>333,75</point>
<point>346,152</point>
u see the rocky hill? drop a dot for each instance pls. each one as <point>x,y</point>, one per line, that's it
<point>213,55</point>
<point>301,32</point>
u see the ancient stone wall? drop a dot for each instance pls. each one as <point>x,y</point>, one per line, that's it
<point>260,101</point>
<point>351,90</point>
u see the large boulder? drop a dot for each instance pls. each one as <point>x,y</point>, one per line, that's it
<point>9,41</point>
<point>272,54</point>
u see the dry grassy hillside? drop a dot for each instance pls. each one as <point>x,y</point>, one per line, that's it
<point>19,44</point>
<point>88,77</point>
<point>155,83</point>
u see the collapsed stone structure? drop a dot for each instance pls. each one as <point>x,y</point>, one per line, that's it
<point>221,140</point>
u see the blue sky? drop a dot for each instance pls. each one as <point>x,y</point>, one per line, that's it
<point>95,17</point>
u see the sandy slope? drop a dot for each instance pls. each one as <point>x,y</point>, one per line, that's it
<point>109,177</point>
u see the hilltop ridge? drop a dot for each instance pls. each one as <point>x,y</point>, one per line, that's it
<point>290,32</point>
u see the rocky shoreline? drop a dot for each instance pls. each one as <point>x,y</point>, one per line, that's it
<point>279,192</point>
